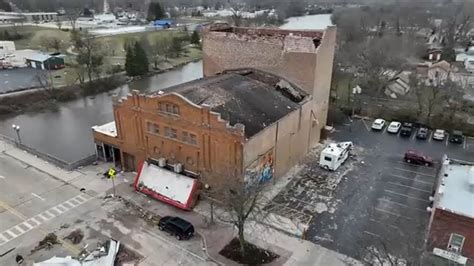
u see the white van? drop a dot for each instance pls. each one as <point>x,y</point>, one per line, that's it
<point>334,155</point>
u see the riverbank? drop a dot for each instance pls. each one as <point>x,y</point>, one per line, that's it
<point>36,99</point>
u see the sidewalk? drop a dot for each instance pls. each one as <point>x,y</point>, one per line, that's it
<point>89,177</point>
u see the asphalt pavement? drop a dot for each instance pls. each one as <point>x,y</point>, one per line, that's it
<point>17,79</point>
<point>383,201</point>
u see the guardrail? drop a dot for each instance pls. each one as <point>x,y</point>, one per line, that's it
<point>51,158</point>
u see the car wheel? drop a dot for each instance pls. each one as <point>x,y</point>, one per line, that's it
<point>178,237</point>
<point>408,161</point>
<point>427,164</point>
<point>326,167</point>
<point>161,228</point>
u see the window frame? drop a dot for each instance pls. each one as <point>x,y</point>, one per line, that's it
<point>450,242</point>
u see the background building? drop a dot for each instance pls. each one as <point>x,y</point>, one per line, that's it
<point>451,228</point>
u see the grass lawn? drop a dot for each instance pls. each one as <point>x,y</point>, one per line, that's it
<point>114,45</point>
<point>34,35</point>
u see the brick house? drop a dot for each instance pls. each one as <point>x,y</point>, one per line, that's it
<point>248,120</point>
<point>451,227</point>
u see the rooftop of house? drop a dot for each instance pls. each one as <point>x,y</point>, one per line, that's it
<point>442,64</point>
<point>108,129</point>
<point>456,189</point>
<point>250,97</point>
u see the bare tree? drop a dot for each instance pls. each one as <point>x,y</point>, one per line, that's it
<point>241,202</point>
<point>72,16</point>
<point>90,54</point>
<point>51,42</point>
<point>59,23</point>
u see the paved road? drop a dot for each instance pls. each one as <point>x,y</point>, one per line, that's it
<point>33,204</point>
<point>15,79</point>
<point>383,201</point>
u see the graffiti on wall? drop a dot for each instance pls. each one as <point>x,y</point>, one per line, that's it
<point>261,170</point>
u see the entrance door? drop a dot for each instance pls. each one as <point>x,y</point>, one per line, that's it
<point>129,161</point>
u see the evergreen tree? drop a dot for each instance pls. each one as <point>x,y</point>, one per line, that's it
<point>130,62</point>
<point>141,59</point>
<point>155,11</point>
<point>176,47</point>
<point>195,38</point>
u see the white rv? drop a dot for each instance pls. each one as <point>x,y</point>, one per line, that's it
<point>6,48</point>
<point>334,155</point>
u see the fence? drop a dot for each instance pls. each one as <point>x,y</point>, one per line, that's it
<point>51,158</point>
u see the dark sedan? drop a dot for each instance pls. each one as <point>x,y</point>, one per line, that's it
<point>422,133</point>
<point>407,129</point>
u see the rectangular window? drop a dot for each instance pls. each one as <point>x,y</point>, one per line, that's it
<point>168,108</point>
<point>326,158</point>
<point>185,136</point>
<point>171,133</point>
<point>456,242</point>
<point>193,139</point>
<point>175,109</point>
<point>153,128</point>
<point>174,133</point>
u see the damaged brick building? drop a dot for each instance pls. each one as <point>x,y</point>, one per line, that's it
<point>258,110</point>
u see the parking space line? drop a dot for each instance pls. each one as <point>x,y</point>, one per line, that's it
<point>396,193</point>
<point>464,143</point>
<point>412,179</point>
<point>415,172</point>
<point>430,137</point>
<point>397,184</point>
<point>391,213</point>
<point>447,139</point>
<point>367,127</point>
<point>403,205</point>
<point>414,136</point>
<point>372,234</point>
<point>384,224</point>
<point>422,166</point>
<point>385,130</point>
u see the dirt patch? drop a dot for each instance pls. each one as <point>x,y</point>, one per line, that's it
<point>48,242</point>
<point>126,255</point>
<point>75,236</point>
<point>254,255</point>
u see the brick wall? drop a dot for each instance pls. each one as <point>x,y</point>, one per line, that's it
<point>218,147</point>
<point>302,57</point>
<point>445,223</point>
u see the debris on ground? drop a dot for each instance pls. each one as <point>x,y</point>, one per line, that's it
<point>126,255</point>
<point>104,255</point>
<point>48,242</point>
<point>75,236</point>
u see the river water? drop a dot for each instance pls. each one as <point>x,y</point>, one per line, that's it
<point>66,132</point>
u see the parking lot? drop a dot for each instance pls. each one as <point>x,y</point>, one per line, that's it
<point>379,200</point>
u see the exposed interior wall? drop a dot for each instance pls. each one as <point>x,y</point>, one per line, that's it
<point>322,81</point>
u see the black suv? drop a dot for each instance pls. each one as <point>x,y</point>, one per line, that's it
<point>176,226</point>
<point>456,137</point>
<point>407,129</point>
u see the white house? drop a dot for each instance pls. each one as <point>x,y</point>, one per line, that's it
<point>6,48</point>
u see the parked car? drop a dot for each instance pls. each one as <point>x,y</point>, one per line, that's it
<point>394,127</point>
<point>456,137</point>
<point>406,130</point>
<point>176,226</point>
<point>378,124</point>
<point>422,133</point>
<point>439,134</point>
<point>418,158</point>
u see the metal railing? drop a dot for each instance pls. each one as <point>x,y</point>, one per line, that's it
<point>50,158</point>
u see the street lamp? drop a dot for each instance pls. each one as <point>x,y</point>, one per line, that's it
<point>355,91</point>
<point>17,129</point>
